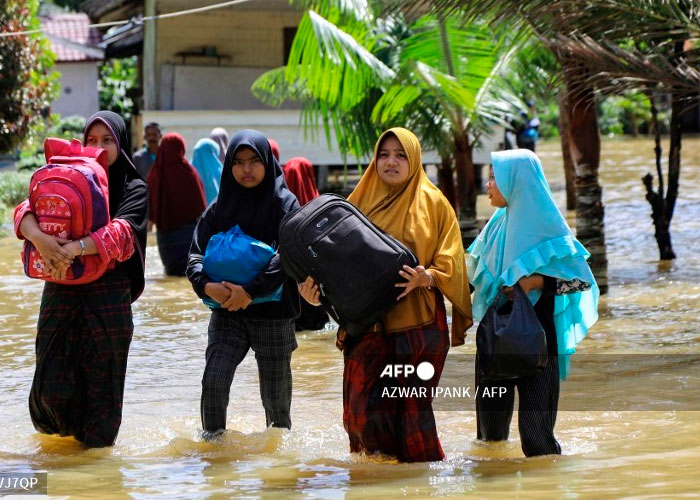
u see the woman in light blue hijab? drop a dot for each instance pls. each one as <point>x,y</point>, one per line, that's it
<point>528,242</point>
<point>205,160</point>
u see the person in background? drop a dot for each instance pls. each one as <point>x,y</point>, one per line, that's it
<point>205,160</point>
<point>527,128</point>
<point>176,201</point>
<point>301,179</point>
<point>275,149</point>
<point>144,158</point>
<point>220,136</point>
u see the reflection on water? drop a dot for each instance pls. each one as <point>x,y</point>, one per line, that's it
<point>651,309</point>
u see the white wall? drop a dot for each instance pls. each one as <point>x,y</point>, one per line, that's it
<point>280,125</point>
<point>209,88</point>
<point>78,89</point>
<point>250,39</point>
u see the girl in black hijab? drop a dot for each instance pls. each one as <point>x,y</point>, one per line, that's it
<point>255,197</point>
<point>84,331</point>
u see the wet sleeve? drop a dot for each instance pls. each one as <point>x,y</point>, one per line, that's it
<point>203,232</point>
<point>273,276</point>
<point>20,211</point>
<point>115,241</point>
<point>269,280</point>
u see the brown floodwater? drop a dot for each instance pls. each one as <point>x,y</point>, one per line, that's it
<point>629,424</point>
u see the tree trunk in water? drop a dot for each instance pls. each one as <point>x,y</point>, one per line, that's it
<point>584,140</point>
<point>466,188</point>
<point>674,153</point>
<point>446,181</point>
<point>656,198</point>
<point>635,126</point>
<point>569,173</point>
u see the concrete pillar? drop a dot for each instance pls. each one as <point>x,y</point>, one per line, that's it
<point>150,81</point>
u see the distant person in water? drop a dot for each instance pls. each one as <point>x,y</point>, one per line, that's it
<point>176,201</point>
<point>205,160</point>
<point>144,157</point>
<point>220,136</point>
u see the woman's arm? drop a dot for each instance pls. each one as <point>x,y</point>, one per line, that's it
<point>203,232</point>
<point>551,286</point>
<point>56,258</point>
<point>269,279</point>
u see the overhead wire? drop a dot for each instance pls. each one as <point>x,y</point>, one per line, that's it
<point>137,19</point>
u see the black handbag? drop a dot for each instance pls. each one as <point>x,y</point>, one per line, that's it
<point>510,341</point>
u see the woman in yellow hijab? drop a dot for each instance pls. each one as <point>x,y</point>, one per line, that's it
<point>397,196</point>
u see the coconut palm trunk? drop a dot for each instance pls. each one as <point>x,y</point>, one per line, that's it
<point>466,187</point>
<point>569,173</point>
<point>446,181</point>
<point>584,140</point>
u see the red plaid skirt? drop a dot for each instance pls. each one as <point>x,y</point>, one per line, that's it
<point>375,417</point>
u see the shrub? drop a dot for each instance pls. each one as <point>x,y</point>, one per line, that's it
<point>14,187</point>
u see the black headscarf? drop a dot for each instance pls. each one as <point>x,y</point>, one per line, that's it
<point>258,211</point>
<point>128,195</point>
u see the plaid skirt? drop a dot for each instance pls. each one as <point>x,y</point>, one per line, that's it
<point>375,419</point>
<point>84,332</point>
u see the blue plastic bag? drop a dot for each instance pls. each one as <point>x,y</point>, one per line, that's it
<point>235,257</point>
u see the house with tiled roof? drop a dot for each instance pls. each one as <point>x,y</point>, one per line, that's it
<point>197,69</point>
<point>78,55</point>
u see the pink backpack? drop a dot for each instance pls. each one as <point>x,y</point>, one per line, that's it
<point>70,198</point>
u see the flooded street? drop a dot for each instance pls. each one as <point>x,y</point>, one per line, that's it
<point>629,424</point>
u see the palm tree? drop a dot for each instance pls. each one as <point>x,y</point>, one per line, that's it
<point>618,45</point>
<point>536,74</point>
<point>430,74</point>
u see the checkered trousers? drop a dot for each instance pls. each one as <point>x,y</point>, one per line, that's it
<point>230,338</point>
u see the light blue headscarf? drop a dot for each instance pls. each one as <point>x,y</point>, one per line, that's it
<point>530,236</point>
<point>205,160</point>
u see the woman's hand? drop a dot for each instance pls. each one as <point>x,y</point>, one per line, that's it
<point>217,291</point>
<point>58,271</point>
<point>309,291</point>
<point>238,299</point>
<point>52,252</point>
<point>415,277</point>
<point>340,338</point>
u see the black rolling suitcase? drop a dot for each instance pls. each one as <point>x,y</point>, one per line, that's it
<point>355,263</point>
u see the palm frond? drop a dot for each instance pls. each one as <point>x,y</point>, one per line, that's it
<point>338,68</point>
<point>339,11</point>
<point>614,69</point>
<point>273,89</point>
